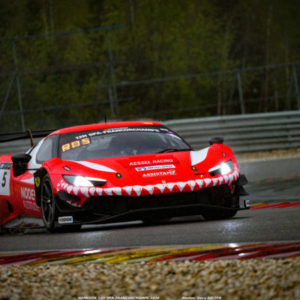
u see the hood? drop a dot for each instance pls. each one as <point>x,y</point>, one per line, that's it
<point>142,169</point>
<point>149,174</point>
<point>150,168</point>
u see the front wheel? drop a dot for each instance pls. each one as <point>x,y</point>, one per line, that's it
<point>49,210</point>
<point>226,199</point>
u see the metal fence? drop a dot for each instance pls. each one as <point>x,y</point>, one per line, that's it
<point>244,133</point>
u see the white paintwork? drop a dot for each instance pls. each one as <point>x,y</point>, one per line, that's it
<point>198,156</point>
<point>4,182</point>
<point>96,167</point>
<point>138,190</point>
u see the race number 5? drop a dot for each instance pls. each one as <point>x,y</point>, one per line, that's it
<point>4,182</point>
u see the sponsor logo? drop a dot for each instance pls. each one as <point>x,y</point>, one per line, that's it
<point>161,173</point>
<point>148,162</point>
<point>30,205</point>
<point>28,194</point>
<point>37,181</point>
<point>65,220</point>
<point>162,161</point>
<point>140,163</point>
<point>122,129</point>
<point>150,168</point>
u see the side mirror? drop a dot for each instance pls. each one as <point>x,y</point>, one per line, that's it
<point>216,140</point>
<point>20,162</point>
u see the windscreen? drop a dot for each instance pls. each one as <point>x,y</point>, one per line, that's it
<point>118,142</point>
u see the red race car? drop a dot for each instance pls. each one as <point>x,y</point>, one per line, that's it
<point>117,172</point>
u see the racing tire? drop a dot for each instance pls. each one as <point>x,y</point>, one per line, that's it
<point>49,209</point>
<point>230,201</point>
<point>48,205</point>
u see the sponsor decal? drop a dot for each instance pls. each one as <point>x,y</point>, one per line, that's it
<point>28,196</point>
<point>123,129</point>
<point>65,220</point>
<point>162,161</point>
<point>75,144</point>
<point>28,193</point>
<point>30,205</point>
<point>37,181</point>
<point>161,173</point>
<point>151,162</point>
<point>140,163</point>
<point>150,168</point>
<point>106,131</point>
<point>4,181</point>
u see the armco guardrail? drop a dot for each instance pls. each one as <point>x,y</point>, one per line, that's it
<point>243,133</point>
<point>15,147</point>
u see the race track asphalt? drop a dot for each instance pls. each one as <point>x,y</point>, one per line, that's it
<point>262,225</point>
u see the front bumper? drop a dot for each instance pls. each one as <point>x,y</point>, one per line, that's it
<point>145,190</point>
<point>106,209</point>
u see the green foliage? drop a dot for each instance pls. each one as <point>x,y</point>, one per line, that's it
<point>72,79</point>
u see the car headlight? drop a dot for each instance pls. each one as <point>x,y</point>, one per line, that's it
<point>222,169</point>
<point>84,181</point>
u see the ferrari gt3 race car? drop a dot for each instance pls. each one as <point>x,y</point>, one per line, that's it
<point>120,171</point>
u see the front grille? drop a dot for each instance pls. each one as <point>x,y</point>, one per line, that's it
<point>109,205</point>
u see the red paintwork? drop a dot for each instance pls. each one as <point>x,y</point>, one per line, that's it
<point>132,182</point>
<point>103,126</point>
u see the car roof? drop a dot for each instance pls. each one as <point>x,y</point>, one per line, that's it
<point>103,126</point>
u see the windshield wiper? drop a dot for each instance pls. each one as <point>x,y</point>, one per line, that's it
<point>173,150</point>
